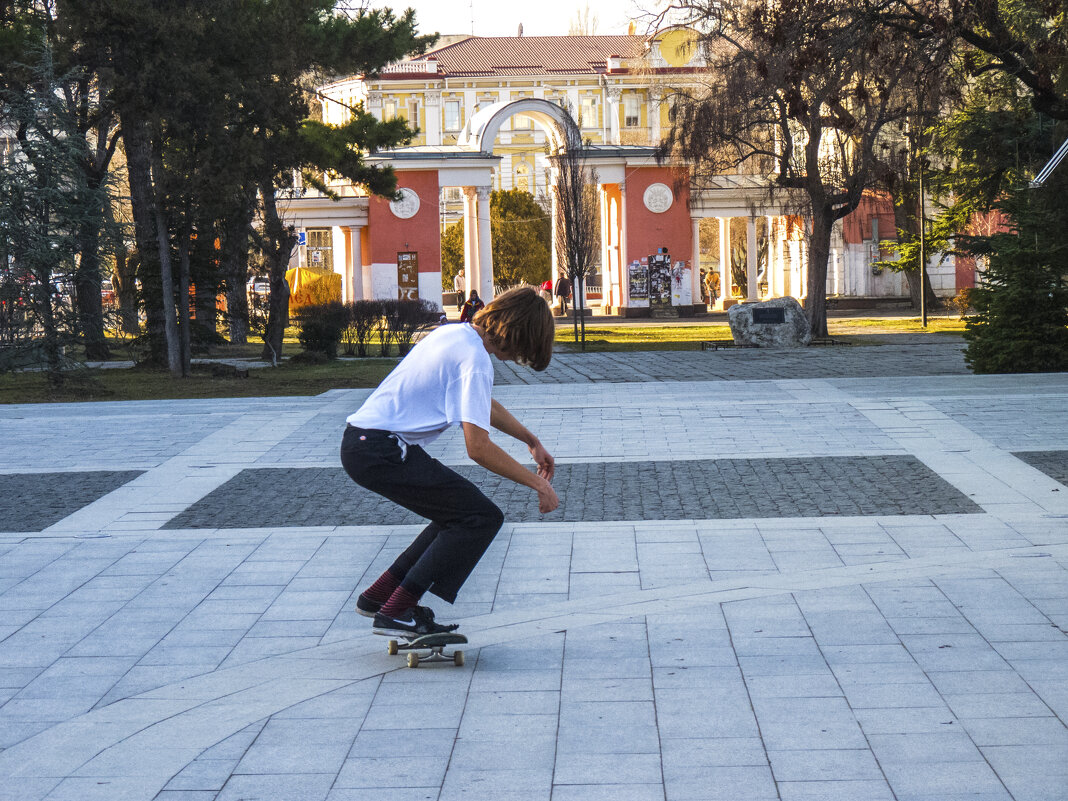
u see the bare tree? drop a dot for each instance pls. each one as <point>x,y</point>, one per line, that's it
<point>805,92</point>
<point>577,223</point>
<point>584,23</point>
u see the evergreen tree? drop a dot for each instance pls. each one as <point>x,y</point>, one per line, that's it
<point>45,203</point>
<point>1021,303</point>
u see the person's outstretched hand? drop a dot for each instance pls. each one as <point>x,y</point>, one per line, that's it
<point>545,462</point>
<point>547,500</point>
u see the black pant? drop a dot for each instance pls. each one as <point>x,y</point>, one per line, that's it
<point>463,521</point>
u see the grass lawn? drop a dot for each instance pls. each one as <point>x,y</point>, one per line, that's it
<point>312,379</point>
<point>143,384</point>
<point>608,338</point>
<point>605,337</point>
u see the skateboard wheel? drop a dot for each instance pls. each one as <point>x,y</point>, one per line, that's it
<point>391,648</point>
<point>413,660</point>
<point>458,658</point>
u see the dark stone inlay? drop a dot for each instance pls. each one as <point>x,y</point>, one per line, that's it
<point>1053,463</point>
<point>603,491</point>
<point>35,501</point>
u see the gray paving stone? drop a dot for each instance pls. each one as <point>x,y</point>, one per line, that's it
<point>771,632</point>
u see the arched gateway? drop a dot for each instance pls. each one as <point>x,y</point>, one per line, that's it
<point>649,256</point>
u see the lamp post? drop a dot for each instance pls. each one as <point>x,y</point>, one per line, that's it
<point>923,254</point>
<point>1050,166</point>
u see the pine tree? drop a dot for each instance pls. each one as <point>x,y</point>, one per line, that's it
<point>1021,320</point>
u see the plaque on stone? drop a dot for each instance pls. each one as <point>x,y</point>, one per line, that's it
<point>769,315</point>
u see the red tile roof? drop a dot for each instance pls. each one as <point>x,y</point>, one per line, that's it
<point>533,55</point>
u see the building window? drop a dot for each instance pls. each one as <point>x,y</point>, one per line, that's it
<point>522,177</point>
<point>631,111</point>
<point>588,112</point>
<point>413,112</point>
<point>452,115</point>
<point>320,251</point>
<point>389,109</point>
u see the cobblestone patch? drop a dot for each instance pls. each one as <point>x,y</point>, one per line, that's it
<point>1053,463</point>
<point>743,364</point>
<point>698,489</point>
<point>34,501</point>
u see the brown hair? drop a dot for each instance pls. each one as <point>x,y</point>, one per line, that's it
<point>520,323</point>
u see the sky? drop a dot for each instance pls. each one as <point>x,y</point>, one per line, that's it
<point>503,17</point>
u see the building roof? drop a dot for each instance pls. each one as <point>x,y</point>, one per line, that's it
<point>526,55</point>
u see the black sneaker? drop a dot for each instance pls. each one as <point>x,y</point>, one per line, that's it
<point>368,608</point>
<point>416,623</point>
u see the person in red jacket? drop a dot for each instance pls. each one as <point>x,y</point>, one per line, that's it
<point>471,308</point>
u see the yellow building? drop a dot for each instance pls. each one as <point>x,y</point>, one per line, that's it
<point>618,88</point>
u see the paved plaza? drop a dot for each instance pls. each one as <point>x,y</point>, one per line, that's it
<point>830,573</point>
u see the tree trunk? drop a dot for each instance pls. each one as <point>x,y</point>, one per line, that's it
<point>89,303</point>
<point>142,203</point>
<point>280,243</point>
<point>819,252</point>
<point>124,282</point>
<point>580,302</point>
<point>235,267</point>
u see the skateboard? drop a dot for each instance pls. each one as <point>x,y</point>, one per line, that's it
<point>434,643</point>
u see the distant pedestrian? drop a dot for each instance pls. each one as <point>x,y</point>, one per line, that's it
<point>547,291</point>
<point>563,292</point>
<point>471,308</point>
<point>459,283</point>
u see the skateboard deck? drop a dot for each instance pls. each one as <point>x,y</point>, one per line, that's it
<point>435,644</point>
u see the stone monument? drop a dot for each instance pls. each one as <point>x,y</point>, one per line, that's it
<point>775,323</point>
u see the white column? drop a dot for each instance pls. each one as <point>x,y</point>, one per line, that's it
<point>555,212</point>
<point>624,254</point>
<point>614,96</point>
<point>339,252</point>
<point>724,260</point>
<point>695,263</point>
<point>805,226</point>
<point>607,292</point>
<point>770,273</point>
<point>485,245</point>
<point>356,262</point>
<point>471,271</point>
<point>656,96</point>
<point>432,97</point>
<point>752,290</point>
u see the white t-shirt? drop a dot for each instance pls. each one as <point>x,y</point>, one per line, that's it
<point>445,380</point>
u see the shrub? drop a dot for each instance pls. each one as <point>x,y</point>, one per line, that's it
<point>384,325</point>
<point>962,302</point>
<point>363,317</point>
<point>321,327</point>
<point>406,318</point>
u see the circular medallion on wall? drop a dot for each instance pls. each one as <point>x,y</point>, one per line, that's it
<point>407,206</point>
<point>658,198</point>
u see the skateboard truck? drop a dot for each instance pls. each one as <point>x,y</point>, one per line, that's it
<point>434,643</point>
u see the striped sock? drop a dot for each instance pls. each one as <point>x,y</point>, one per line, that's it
<point>383,587</point>
<point>399,603</point>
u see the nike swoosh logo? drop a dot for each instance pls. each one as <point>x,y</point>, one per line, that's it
<point>406,622</point>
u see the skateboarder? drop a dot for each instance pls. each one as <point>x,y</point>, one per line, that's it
<point>446,380</point>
